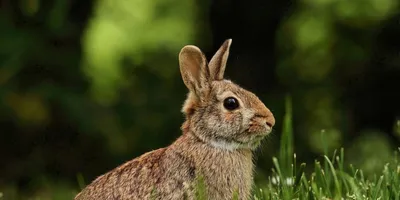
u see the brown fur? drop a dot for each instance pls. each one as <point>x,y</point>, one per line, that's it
<point>216,143</point>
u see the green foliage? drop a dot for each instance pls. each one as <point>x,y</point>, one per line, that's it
<point>317,52</point>
<point>108,40</point>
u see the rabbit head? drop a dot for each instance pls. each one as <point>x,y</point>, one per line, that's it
<point>218,111</point>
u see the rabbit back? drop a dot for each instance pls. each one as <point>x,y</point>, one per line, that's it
<point>159,174</point>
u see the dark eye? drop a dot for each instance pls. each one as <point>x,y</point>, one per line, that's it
<point>231,103</point>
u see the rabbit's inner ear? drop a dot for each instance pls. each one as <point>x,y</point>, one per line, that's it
<point>218,62</point>
<point>193,67</point>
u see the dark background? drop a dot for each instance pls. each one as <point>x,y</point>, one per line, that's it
<point>88,85</point>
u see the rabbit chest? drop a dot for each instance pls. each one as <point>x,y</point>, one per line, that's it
<point>224,172</point>
<point>227,173</point>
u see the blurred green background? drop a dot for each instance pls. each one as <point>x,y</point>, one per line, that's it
<point>88,85</point>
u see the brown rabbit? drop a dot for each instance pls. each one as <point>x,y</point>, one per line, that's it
<point>224,123</point>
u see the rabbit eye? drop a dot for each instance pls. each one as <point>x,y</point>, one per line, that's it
<point>231,103</point>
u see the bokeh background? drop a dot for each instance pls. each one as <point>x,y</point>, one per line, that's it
<point>88,85</point>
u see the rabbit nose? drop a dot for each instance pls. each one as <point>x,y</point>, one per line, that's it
<point>270,120</point>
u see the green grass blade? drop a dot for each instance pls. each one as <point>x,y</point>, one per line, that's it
<point>286,149</point>
<point>300,173</point>
<point>335,178</point>
<point>377,189</point>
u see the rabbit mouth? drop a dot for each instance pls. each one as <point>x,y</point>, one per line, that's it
<point>258,131</point>
<point>252,137</point>
<point>252,142</point>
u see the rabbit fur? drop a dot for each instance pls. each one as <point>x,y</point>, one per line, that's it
<point>216,144</point>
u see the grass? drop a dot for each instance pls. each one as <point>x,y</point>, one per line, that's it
<point>330,177</point>
<point>331,180</point>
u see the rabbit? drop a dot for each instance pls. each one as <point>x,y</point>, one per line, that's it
<point>224,124</point>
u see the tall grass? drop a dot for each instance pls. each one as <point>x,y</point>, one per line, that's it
<point>330,178</point>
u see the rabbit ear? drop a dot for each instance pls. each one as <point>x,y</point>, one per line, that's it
<point>193,67</point>
<point>218,61</point>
